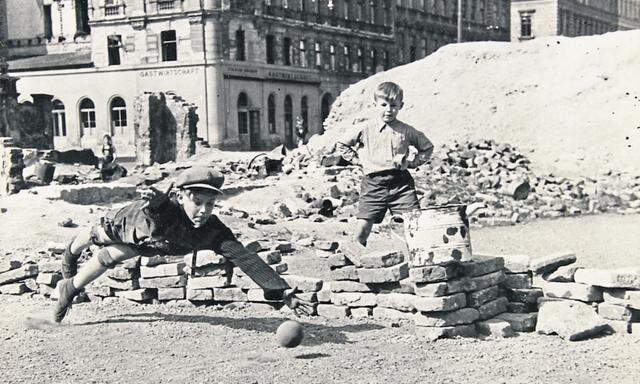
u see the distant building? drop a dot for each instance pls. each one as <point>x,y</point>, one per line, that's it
<point>538,18</point>
<point>250,66</point>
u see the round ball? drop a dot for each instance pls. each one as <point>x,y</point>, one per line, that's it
<point>290,334</point>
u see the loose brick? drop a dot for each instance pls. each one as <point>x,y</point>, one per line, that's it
<point>138,295</point>
<point>476,283</point>
<point>382,313</point>
<point>208,282</point>
<point>434,333</point>
<point>337,260</point>
<point>348,272</point>
<point>446,319</point>
<point>163,282</point>
<point>520,322</point>
<point>120,273</point>
<point>304,283</point>
<point>550,263</point>
<point>480,265</point>
<point>495,328</point>
<point>48,266</point>
<point>361,313</point>
<point>618,312</point>
<point>9,265</point>
<point>325,245</point>
<point>18,274</point>
<point>244,282</point>
<point>434,273</point>
<point>433,289</point>
<point>199,294</point>
<point>162,270</point>
<point>622,297</point>
<point>610,278</point>
<point>333,311</point>
<point>125,285</point>
<point>574,291</point>
<point>384,275</point>
<point>443,303</point>
<point>512,263</point>
<point>48,278</point>
<point>152,261</point>
<point>354,299</point>
<point>270,257</point>
<point>283,246</point>
<point>477,298</point>
<point>347,286</point>
<point>204,258</point>
<point>13,289</point>
<point>381,259</point>
<point>257,246</point>
<point>562,275</point>
<point>517,280</point>
<point>280,268</point>
<point>399,301</point>
<point>229,294</point>
<point>324,295</point>
<point>165,294</point>
<point>524,295</point>
<point>493,308</point>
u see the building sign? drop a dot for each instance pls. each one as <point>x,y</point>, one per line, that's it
<point>162,72</point>
<point>242,71</point>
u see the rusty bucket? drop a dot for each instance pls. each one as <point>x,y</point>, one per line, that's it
<point>436,234</point>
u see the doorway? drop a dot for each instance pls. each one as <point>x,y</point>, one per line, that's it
<point>254,129</point>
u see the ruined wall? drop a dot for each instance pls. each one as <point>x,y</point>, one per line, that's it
<point>165,128</point>
<point>11,166</point>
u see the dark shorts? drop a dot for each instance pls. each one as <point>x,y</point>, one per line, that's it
<point>391,190</point>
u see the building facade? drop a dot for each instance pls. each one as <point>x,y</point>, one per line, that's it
<point>538,18</point>
<point>251,67</point>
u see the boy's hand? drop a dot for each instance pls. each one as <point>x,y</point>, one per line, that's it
<point>297,305</point>
<point>154,197</point>
<point>400,161</point>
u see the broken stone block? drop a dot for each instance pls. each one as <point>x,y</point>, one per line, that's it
<point>446,319</point>
<point>162,270</point>
<point>165,294</point>
<point>562,275</point>
<point>120,273</point>
<point>399,301</point>
<point>618,312</point>
<point>333,311</point>
<point>443,303</point>
<point>348,286</point>
<point>549,263</point>
<point>354,299</point>
<point>512,263</point>
<point>569,319</point>
<point>617,326</point>
<point>524,295</point>
<point>152,261</point>
<point>477,298</point>
<point>163,282</point>
<point>13,289</point>
<point>383,313</point>
<point>325,245</point>
<point>281,267</point>
<point>493,308</point>
<point>384,275</point>
<point>573,291</point>
<point>137,295</point>
<point>381,259</point>
<point>348,272</point>
<point>8,265</point>
<point>495,328</point>
<point>517,280</point>
<point>520,322</point>
<point>48,278</point>
<point>434,333</point>
<point>442,288</point>
<point>125,285</point>
<point>49,266</point>
<point>434,273</point>
<point>199,283</point>
<point>481,266</point>
<point>361,312</point>
<point>283,246</point>
<point>337,260</point>
<point>624,297</point>
<point>199,294</point>
<point>304,283</point>
<point>609,278</point>
<point>229,294</point>
<point>324,295</point>
<point>20,273</point>
<point>270,257</point>
<point>477,283</point>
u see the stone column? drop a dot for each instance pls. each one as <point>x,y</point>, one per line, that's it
<point>215,122</point>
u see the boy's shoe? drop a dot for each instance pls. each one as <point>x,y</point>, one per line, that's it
<point>66,295</point>
<point>69,262</point>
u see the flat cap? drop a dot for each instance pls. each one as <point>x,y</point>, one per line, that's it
<point>200,177</point>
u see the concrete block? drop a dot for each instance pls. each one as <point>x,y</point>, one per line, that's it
<point>443,303</point>
<point>384,275</point>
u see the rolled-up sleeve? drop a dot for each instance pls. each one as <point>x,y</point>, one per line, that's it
<point>423,145</point>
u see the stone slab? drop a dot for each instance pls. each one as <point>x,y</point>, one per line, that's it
<point>569,319</point>
<point>610,278</point>
<point>446,319</point>
<point>384,275</point>
<point>437,304</point>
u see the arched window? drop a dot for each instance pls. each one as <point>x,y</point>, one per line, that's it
<point>59,118</point>
<point>288,121</point>
<point>271,110</point>
<point>118,110</point>
<point>325,108</point>
<point>304,112</point>
<point>243,114</point>
<point>87,117</point>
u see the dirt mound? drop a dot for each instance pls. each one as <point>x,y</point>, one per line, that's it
<point>571,104</point>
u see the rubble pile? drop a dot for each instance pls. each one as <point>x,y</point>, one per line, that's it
<point>11,166</point>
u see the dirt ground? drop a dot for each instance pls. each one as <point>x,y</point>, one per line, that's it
<point>116,341</point>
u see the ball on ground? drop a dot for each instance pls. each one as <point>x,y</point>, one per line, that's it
<point>290,334</point>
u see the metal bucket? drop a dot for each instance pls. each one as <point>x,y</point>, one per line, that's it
<point>436,235</point>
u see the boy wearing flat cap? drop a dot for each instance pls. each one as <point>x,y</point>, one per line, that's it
<point>159,225</point>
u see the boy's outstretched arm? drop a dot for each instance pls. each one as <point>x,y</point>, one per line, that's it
<point>274,286</point>
<point>424,147</point>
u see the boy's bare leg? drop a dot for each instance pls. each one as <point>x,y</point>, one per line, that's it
<point>363,230</point>
<point>105,258</point>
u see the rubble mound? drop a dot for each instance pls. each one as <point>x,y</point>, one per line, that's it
<point>571,104</point>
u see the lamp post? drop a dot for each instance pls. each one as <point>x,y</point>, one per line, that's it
<point>459,21</point>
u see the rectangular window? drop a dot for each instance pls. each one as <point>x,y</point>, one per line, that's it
<point>113,46</point>
<point>525,25</point>
<point>385,58</point>
<point>286,51</point>
<point>166,5</point>
<point>318,55</point>
<point>48,29</point>
<point>169,45</point>
<point>347,58</point>
<point>360,61</point>
<point>332,53</point>
<point>346,11</point>
<point>271,49</point>
<point>240,53</point>
<point>303,54</point>
<point>59,123</point>
<point>243,122</point>
<point>374,60</point>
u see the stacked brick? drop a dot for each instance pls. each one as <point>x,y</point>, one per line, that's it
<point>11,166</point>
<point>121,281</point>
